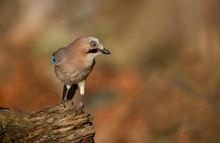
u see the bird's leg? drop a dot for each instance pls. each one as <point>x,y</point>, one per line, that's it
<point>66,87</point>
<point>81,86</point>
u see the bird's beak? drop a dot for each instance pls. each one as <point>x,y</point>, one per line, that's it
<point>105,51</point>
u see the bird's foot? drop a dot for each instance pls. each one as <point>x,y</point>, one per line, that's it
<point>80,108</point>
<point>63,102</point>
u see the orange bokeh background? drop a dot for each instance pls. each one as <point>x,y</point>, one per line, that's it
<point>159,85</point>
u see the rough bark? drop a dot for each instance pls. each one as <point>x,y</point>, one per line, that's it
<point>54,124</point>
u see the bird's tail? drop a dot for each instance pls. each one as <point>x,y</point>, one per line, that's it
<point>70,93</point>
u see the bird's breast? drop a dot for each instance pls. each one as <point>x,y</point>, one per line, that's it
<point>72,75</point>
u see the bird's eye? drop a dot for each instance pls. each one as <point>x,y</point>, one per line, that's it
<point>93,44</point>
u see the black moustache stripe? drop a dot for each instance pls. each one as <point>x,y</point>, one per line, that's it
<point>93,51</point>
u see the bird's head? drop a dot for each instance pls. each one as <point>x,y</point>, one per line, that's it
<point>90,47</point>
<point>95,47</point>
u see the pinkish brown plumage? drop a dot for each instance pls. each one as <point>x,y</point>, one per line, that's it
<point>74,63</point>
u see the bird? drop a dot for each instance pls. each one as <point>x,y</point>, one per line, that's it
<point>74,63</point>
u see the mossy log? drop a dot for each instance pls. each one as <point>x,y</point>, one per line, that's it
<point>53,124</point>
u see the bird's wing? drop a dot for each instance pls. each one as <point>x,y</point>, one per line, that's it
<point>58,56</point>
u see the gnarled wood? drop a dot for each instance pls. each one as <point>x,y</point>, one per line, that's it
<point>54,124</point>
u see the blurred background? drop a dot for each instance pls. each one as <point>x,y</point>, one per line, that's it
<point>161,83</point>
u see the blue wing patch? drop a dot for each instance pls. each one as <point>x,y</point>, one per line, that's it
<point>54,60</point>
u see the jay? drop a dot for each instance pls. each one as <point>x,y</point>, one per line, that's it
<point>74,63</point>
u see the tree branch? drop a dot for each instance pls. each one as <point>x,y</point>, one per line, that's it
<point>54,124</point>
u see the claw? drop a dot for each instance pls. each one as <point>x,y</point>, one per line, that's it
<point>80,108</point>
<point>64,102</point>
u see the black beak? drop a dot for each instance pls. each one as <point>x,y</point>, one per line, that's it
<point>105,51</point>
